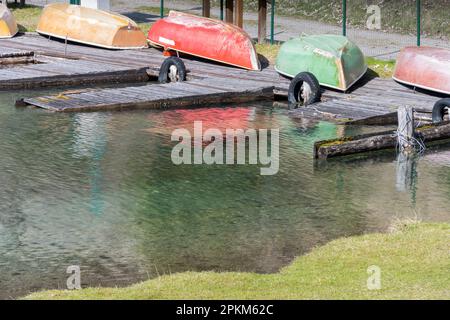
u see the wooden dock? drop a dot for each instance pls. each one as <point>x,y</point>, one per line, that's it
<point>62,64</point>
<point>154,96</point>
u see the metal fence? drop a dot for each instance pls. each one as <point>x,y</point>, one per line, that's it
<point>380,27</point>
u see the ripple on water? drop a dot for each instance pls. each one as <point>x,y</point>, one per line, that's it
<point>99,190</point>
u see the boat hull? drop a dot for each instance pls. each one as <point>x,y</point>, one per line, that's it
<point>424,67</point>
<point>335,61</point>
<point>205,38</point>
<point>90,26</point>
<point>8,24</point>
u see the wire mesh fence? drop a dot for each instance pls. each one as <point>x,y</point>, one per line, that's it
<point>435,23</point>
<point>380,27</point>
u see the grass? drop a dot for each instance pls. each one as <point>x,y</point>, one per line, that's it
<point>414,262</point>
<point>27,16</point>
<point>152,10</point>
<point>382,68</point>
<point>269,51</point>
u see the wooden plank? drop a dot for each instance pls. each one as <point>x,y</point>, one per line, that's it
<point>229,9</point>
<point>206,8</point>
<point>239,14</point>
<point>93,65</point>
<point>376,141</point>
<point>175,95</point>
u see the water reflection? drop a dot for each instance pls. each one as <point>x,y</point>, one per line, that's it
<point>407,174</point>
<point>90,141</point>
<point>99,190</point>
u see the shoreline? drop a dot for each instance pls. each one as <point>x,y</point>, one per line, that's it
<point>413,260</point>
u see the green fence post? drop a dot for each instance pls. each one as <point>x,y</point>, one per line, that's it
<point>221,10</point>
<point>344,18</point>
<point>162,9</point>
<point>272,23</point>
<point>419,11</point>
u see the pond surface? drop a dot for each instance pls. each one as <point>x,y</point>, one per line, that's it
<point>99,190</point>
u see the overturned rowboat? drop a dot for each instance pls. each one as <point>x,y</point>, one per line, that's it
<point>8,25</point>
<point>424,67</point>
<point>90,26</point>
<point>335,61</point>
<point>205,38</point>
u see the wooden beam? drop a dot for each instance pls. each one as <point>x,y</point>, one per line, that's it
<point>377,141</point>
<point>239,13</point>
<point>229,8</point>
<point>206,8</point>
<point>262,21</point>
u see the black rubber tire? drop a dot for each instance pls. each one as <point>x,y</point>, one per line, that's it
<point>439,110</point>
<point>165,69</point>
<point>296,85</point>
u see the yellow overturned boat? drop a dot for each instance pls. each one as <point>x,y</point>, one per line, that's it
<point>8,25</point>
<point>90,26</point>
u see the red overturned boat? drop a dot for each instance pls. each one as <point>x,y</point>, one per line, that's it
<point>205,38</point>
<point>424,67</point>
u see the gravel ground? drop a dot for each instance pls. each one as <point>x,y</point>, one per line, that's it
<point>373,43</point>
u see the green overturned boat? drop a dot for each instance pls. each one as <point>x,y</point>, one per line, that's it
<point>322,60</point>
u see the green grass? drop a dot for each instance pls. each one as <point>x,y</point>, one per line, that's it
<point>268,51</point>
<point>151,10</point>
<point>382,68</point>
<point>27,16</point>
<point>414,262</point>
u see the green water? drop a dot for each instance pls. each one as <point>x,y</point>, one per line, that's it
<point>99,190</point>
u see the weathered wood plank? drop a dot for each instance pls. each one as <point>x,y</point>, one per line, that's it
<point>90,65</point>
<point>206,8</point>
<point>262,20</point>
<point>239,14</point>
<point>229,9</point>
<point>150,96</point>
<point>376,141</point>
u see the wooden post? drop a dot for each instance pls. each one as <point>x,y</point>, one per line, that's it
<point>229,11</point>
<point>262,21</point>
<point>405,172</point>
<point>206,8</point>
<point>272,23</point>
<point>239,14</point>
<point>406,129</point>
